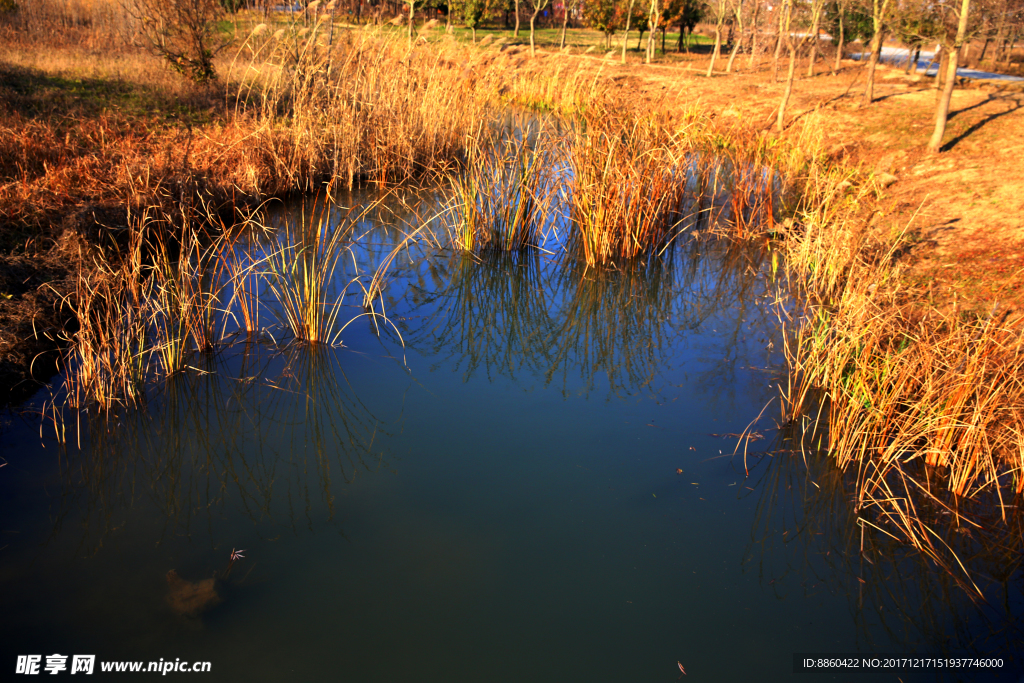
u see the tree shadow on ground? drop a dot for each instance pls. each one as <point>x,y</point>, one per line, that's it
<point>1013,102</point>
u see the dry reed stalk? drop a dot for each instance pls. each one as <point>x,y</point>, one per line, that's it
<point>504,197</point>
<point>627,187</point>
<point>238,261</point>
<point>301,272</point>
<point>186,288</point>
<point>108,354</point>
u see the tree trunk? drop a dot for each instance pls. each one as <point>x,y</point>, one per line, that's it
<point>839,48</point>
<point>652,26</point>
<point>815,35</point>
<point>869,89</point>
<point>732,56</point>
<point>783,27</point>
<point>942,111</point>
<point>516,34</point>
<point>533,21</point>
<point>625,39</point>
<point>718,45</point>
<point>754,31</point>
<point>412,8</point>
<point>473,29</point>
<point>733,30</point>
<point>789,87</point>
<point>565,24</point>
<point>984,49</point>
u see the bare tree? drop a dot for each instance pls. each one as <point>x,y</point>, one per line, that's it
<point>567,8</point>
<point>653,21</point>
<point>785,34</point>
<point>942,111</point>
<point>781,34</point>
<point>720,10</point>
<point>737,11</point>
<point>840,8</point>
<point>625,39</point>
<point>879,17</point>
<point>817,8</point>
<point>182,32</point>
<point>538,7</point>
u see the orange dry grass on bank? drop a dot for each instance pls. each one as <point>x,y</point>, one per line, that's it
<point>300,107</point>
<point>923,404</point>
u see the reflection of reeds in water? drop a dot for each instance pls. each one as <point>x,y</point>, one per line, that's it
<point>503,197</point>
<point>616,323</point>
<point>266,434</point>
<point>507,313</point>
<point>954,600</point>
<point>491,310</point>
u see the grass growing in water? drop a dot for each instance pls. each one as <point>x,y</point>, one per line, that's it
<point>627,188</point>
<point>505,195</point>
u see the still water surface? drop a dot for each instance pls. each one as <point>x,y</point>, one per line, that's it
<point>498,499</point>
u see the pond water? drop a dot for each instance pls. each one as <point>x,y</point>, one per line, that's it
<point>531,476</point>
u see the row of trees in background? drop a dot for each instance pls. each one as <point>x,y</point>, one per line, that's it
<point>992,30</point>
<point>185,32</point>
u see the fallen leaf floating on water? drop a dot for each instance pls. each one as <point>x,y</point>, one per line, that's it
<point>680,665</point>
<point>678,471</point>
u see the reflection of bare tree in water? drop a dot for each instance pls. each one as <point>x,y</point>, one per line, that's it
<point>807,521</point>
<point>267,431</point>
<point>506,312</point>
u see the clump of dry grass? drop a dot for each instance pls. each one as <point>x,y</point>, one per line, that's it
<point>186,292</point>
<point>505,195</point>
<point>302,268</point>
<point>96,24</point>
<point>627,185</point>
